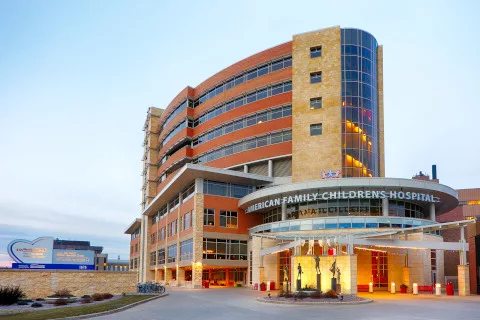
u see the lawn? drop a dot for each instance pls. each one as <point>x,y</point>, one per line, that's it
<point>77,311</point>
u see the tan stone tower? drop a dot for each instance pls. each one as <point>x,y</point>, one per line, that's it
<point>337,105</point>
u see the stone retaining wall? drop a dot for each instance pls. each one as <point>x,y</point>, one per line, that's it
<point>42,283</point>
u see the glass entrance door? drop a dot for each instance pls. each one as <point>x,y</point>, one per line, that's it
<point>380,269</point>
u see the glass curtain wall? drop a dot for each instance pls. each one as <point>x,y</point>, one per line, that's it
<point>359,104</point>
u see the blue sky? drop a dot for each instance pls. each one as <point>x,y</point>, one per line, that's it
<point>77,77</point>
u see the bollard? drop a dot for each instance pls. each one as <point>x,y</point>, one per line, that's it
<point>415,288</point>
<point>392,287</point>
<point>370,287</point>
<point>438,289</point>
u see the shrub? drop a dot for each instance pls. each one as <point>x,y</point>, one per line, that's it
<point>36,305</point>
<point>107,296</point>
<point>60,302</point>
<point>281,294</point>
<point>39,299</point>
<point>62,293</point>
<point>331,294</point>
<point>403,286</point>
<point>287,294</point>
<point>23,303</point>
<point>238,285</point>
<point>97,297</point>
<point>86,300</point>
<point>316,295</point>
<point>10,295</point>
<point>85,296</point>
<point>301,295</point>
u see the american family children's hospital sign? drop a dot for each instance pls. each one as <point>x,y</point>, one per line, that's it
<point>355,194</point>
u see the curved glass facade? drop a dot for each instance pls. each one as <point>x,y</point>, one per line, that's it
<point>340,223</point>
<point>347,207</point>
<point>360,143</point>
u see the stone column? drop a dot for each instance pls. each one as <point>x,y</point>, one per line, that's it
<point>197,273</point>
<point>197,221</point>
<point>350,275</point>
<point>385,207</point>
<point>180,276</point>
<point>432,211</point>
<point>168,276</point>
<point>463,280</point>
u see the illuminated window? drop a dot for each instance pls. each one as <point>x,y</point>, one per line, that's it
<point>228,219</point>
<point>208,217</point>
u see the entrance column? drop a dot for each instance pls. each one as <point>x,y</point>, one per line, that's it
<point>385,207</point>
<point>284,211</point>
<point>432,211</point>
<point>463,270</point>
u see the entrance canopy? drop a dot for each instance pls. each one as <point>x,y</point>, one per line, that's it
<point>387,239</point>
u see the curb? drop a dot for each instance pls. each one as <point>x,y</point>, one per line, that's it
<point>313,303</point>
<point>104,313</point>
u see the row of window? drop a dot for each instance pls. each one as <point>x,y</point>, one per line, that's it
<point>251,97</point>
<point>232,82</point>
<point>244,123</point>
<point>224,249</point>
<point>228,219</point>
<point>173,203</point>
<point>186,253</point>
<point>226,189</point>
<point>259,94</point>
<point>244,77</point>
<point>172,133</point>
<point>238,147</point>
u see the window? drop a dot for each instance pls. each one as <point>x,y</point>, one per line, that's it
<point>187,220</point>
<point>153,258</point>
<point>172,228</point>
<point>316,103</point>
<point>162,233</point>
<point>161,256</point>
<point>222,249</point>
<point>316,77</point>
<point>316,129</point>
<point>172,253</point>
<point>188,192</point>
<point>228,219</point>
<point>153,238</point>
<point>174,203</point>
<point>186,250</point>
<point>208,217</point>
<point>316,52</point>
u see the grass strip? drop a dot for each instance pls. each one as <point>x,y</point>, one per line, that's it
<point>77,311</point>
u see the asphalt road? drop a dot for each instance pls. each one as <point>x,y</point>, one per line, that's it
<point>240,304</point>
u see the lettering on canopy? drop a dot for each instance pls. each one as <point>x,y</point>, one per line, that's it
<point>354,194</point>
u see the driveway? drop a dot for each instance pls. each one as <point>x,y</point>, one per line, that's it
<point>240,304</point>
